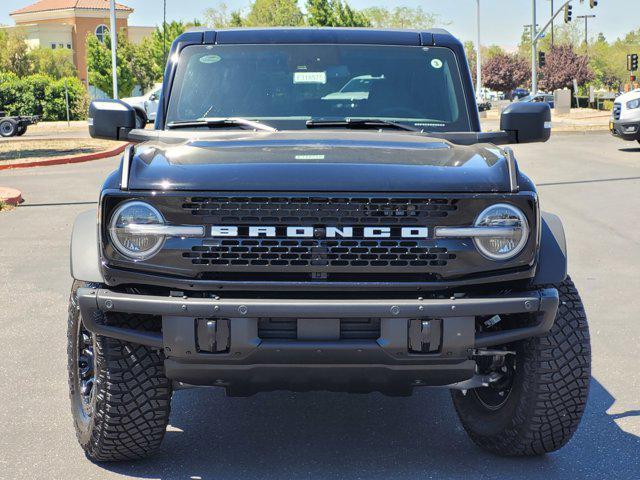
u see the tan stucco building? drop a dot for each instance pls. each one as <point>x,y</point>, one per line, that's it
<point>66,24</point>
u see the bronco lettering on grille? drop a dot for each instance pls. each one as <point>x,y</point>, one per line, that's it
<point>319,232</point>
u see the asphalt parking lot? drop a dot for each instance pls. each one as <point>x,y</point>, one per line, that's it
<point>591,181</point>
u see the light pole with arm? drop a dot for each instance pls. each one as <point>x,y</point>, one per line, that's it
<point>114,46</point>
<point>479,60</point>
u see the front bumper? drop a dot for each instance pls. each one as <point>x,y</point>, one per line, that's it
<point>626,130</point>
<point>252,364</point>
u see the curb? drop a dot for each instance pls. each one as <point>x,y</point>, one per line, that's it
<point>65,160</point>
<point>11,196</point>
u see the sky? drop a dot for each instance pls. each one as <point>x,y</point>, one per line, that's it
<point>502,20</point>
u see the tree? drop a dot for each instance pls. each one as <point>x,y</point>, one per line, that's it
<point>319,13</point>
<point>401,17</point>
<point>160,42</point>
<point>334,13</point>
<point>56,63</point>
<point>472,57</point>
<point>221,17</point>
<point>274,13</point>
<point>99,65</point>
<point>563,66</point>
<point>504,72</point>
<point>14,53</point>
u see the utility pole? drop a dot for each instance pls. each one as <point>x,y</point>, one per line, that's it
<point>114,46</point>
<point>586,28</point>
<point>537,35</point>
<point>164,32</point>
<point>479,60</point>
<point>534,50</point>
<point>552,32</point>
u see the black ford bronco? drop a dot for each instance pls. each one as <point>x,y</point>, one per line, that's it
<point>318,209</point>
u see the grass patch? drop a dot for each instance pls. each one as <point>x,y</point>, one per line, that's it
<point>31,150</point>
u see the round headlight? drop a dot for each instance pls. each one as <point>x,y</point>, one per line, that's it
<point>131,230</point>
<point>509,235</point>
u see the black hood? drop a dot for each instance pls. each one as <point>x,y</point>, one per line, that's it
<point>318,160</point>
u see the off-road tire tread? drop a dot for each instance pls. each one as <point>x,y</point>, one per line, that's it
<point>133,396</point>
<point>555,388</point>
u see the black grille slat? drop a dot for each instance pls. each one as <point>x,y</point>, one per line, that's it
<point>354,211</point>
<point>339,253</point>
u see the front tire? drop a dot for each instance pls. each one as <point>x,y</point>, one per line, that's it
<point>541,407</point>
<point>120,397</point>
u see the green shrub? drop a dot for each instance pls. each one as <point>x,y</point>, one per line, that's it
<point>42,95</point>
<point>607,105</point>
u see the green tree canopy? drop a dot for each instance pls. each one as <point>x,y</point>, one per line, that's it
<point>334,13</point>
<point>56,63</point>
<point>14,53</point>
<point>401,17</point>
<point>274,13</point>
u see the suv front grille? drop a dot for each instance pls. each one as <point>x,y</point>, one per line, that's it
<point>617,111</point>
<point>325,210</point>
<point>324,253</point>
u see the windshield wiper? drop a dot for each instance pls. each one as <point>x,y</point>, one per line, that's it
<point>360,123</point>
<point>223,123</point>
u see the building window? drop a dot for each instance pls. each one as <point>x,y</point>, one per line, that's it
<point>69,46</point>
<point>53,46</point>
<point>102,31</point>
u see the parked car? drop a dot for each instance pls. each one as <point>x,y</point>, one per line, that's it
<point>16,125</point>
<point>146,106</point>
<point>483,105</point>
<point>539,98</point>
<point>285,242</point>
<point>625,117</point>
<point>519,93</point>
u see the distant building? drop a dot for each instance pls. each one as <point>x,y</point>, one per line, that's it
<point>66,24</point>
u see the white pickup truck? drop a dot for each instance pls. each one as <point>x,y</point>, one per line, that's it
<point>625,118</point>
<point>146,106</point>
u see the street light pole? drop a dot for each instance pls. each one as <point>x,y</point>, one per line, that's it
<point>552,32</point>
<point>479,59</point>
<point>534,51</point>
<point>586,28</point>
<point>114,46</point>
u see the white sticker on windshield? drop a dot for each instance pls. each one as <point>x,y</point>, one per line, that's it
<point>436,63</point>
<point>310,77</point>
<point>210,59</point>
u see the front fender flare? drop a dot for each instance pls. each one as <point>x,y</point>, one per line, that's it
<point>552,259</point>
<point>85,258</point>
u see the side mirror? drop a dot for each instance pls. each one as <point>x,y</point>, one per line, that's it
<point>527,122</point>
<point>111,119</point>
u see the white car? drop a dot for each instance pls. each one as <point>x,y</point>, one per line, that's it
<point>146,106</point>
<point>625,118</point>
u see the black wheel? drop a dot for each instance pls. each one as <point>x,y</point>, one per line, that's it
<point>8,127</point>
<point>141,119</point>
<point>21,131</point>
<point>120,397</point>
<point>537,403</point>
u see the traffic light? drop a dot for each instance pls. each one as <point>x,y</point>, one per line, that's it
<point>593,3</point>
<point>542,59</point>
<point>632,62</point>
<point>568,13</point>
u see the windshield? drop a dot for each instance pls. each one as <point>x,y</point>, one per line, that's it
<point>286,85</point>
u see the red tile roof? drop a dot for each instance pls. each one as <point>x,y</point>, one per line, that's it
<point>49,5</point>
